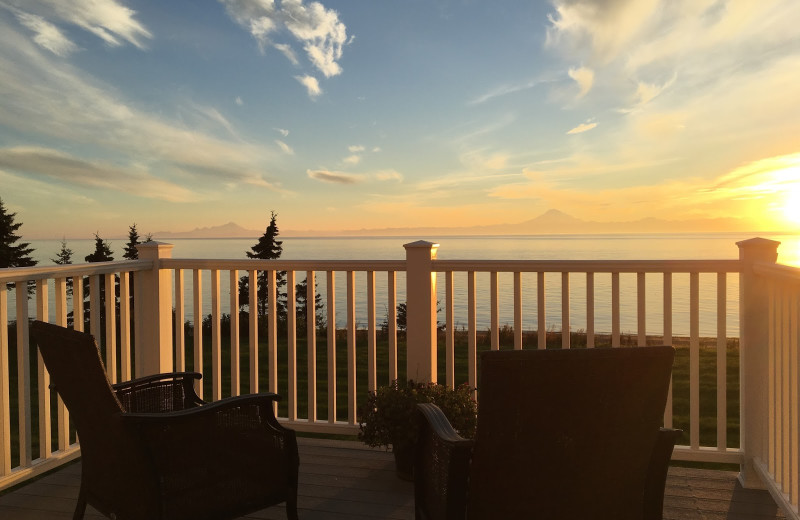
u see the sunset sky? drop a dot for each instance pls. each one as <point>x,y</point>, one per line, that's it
<point>369,114</point>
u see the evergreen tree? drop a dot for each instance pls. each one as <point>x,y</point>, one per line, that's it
<point>102,251</point>
<point>131,253</point>
<point>12,255</point>
<point>402,317</point>
<point>268,247</point>
<point>402,313</point>
<point>64,257</point>
<point>302,307</point>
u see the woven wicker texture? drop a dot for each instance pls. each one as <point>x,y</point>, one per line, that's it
<point>152,449</point>
<point>562,434</point>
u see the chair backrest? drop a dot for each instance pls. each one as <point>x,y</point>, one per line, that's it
<point>78,374</point>
<point>567,434</point>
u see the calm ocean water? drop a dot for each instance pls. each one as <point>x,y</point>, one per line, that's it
<point>568,247</point>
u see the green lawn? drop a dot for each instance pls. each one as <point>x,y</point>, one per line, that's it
<point>708,373</point>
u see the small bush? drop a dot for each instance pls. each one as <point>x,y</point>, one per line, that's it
<point>388,416</point>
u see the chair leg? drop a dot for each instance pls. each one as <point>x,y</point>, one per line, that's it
<point>80,508</point>
<point>291,506</point>
<point>657,473</point>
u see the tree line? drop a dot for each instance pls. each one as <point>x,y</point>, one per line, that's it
<point>15,253</point>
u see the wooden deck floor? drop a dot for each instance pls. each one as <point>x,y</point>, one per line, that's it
<point>346,480</point>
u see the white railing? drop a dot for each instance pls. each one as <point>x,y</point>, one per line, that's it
<point>29,456</point>
<point>776,455</point>
<point>587,272</point>
<point>587,293</point>
<point>325,271</point>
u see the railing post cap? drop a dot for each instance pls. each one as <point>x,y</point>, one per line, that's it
<point>154,249</point>
<point>154,243</point>
<point>421,244</point>
<point>758,243</point>
<point>758,250</point>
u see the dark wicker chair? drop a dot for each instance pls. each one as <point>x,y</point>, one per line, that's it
<point>561,435</point>
<point>152,449</point>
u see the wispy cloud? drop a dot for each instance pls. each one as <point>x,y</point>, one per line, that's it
<point>598,28</point>
<point>215,117</point>
<point>451,182</point>
<point>316,28</point>
<point>284,147</point>
<point>53,165</point>
<point>334,177</point>
<point>583,127</point>
<point>57,101</point>
<point>282,131</point>
<point>355,148</point>
<point>109,20</point>
<point>646,92</point>
<point>584,77</point>
<point>340,177</point>
<point>238,101</point>
<point>389,175</point>
<point>352,159</point>
<point>664,73</point>
<point>742,192</point>
<point>47,35</point>
<point>287,51</point>
<point>311,84</point>
<point>505,90</point>
<point>771,174</point>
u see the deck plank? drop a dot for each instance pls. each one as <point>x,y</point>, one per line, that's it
<point>342,480</point>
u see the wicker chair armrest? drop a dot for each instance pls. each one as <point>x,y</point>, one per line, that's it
<point>159,393</point>
<point>263,401</point>
<point>441,467</point>
<point>233,450</point>
<point>157,377</point>
<point>657,474</point>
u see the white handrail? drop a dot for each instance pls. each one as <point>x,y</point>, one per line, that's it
<point>22,274</point>
<point>622,288</point>
<point>590,266</point>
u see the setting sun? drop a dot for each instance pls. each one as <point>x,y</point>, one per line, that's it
<point>791,205</point>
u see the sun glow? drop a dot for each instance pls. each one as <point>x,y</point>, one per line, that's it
<point>791,204</point>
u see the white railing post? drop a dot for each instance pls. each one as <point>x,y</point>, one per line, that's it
<point>154,312</point>
<point>754,370</point>
<point>420,311</point>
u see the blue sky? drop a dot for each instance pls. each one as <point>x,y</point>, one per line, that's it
<point>349,115</point>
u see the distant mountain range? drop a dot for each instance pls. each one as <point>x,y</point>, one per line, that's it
<point>551,222</point>
<point>229,230</point>
<point>557,222</point>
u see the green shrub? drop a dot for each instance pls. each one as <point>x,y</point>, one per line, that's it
<point>388,416</point>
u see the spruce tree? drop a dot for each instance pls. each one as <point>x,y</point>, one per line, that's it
<point>64,257</point>
<point>268,247</point>
<point>102,251</point>
<point>131,253</point>
<point>301,292</point>
<point>12,255</point>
